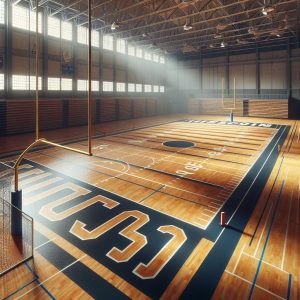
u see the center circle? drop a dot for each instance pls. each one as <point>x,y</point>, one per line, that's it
<point>179,144</point>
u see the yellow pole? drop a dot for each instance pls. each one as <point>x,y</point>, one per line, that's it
<point>89,79</point>
<point>37,71</point>
<point>16,167</point>
<point>36,143</point>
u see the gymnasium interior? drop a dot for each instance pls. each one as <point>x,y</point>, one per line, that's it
<point>150,149</point>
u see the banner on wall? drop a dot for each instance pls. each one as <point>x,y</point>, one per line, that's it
<point>67,66</point>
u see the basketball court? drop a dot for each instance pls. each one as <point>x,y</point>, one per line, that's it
<point>149,149</point>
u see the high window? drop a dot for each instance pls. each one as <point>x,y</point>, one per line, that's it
<point>121,87</point>
<point>131,87</point>
<point>66,84</point>
<point>139,53</point>
<point>156,58</point>
<point>66,31</point>
<point>121,46</point>
<point>2,18</point>
<point>108,42</point>
<point>53,84</point>
<point>148,88</point>
<point>54,27</point>
<point>108,86</point>
<point>138,87</point>
<point>1,81</point>
<point>24,82</point>
<point>147,55</point>
<point>82,85</point>
<point>24,19</point>
<point>155,88</point>
<point>131,50</point>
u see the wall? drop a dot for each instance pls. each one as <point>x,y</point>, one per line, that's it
<point>262,75</point>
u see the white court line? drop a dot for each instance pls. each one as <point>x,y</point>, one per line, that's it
<point>261,235</point>
<point>39,246</point>
<point>256,285</point>
<point>287,231</point>
<point>239,257</point>
<point>209,159</point>
<point>60,271</point>
<point>120,195</point>
<point>267,263</point>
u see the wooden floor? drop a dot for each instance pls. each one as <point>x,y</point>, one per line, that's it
<point>186,187</point>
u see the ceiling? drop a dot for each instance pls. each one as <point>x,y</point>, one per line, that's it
<point>186,26</point>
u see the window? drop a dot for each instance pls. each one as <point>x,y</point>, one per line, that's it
<point>147,55</point>
<point>54,27</point>
<point>32,83</point>
<point>162,88</point>
<point>108,42</point>
<point>1,81</point>
<point>138,88</point>
<point>53,84</point>
<point>121,46</point>
<point>148,88</point>
<point>131,87</point>
<point>2,12</point>
<point>23,82</point>
<point>66,31</point>
<point>66,84</point>
<point>162,60</point>
<point>139,53</point>
<point>95,38</point>
<point>108,86</point>
<point>25,19</point>
<point>155,88</point>
<point>156,58</point>
<point>95,86</point>
<point>131,50</point>
<point>82,35</point>
<point>121,87</point>
<point>19,82</point>
<point>81,85</point>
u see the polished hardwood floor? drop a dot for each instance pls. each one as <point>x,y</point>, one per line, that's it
<point>189,185</point>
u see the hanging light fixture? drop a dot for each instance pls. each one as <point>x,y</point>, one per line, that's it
<point>267,9</point>
<point>115,25</point>
<point>223,44</point>
<point>187,26</point>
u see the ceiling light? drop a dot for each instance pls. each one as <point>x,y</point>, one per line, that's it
<point>187,27</point>
<point>223,45</point>
<point>114,26</point>
<point>267,9</point>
